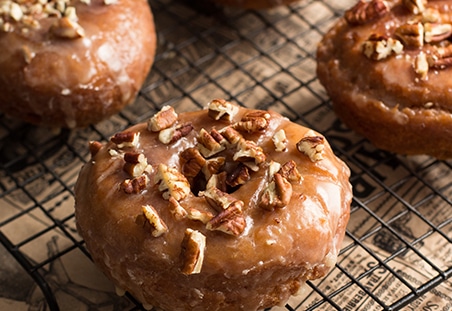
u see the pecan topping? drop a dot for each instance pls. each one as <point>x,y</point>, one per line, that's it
<point>232,136</point>
<point>158,226</point>
<point>437,32</point>
<point>277,194</point>
<point>230,220</point>
<point>193,162</point>
<point>163,119</point>
<point>192,253</point>
<point>380,47</point>
<point>411,35</point>
<point>177,209</point>
<point>280,141</point>
<point>220,109</point>
<point>415,6</point>
<point>218,199</point>
<point>135,185</point>
<point>172,134</point>
<point>126,139</point>
<point>250,154</point>
<point>213,166</point>
<point>421,65</point>
<point>67,29</point>
<point>171,183</point>
<point>218,181</point>
<point>442,58</point>
<point>289,171</point>
<point>208,146</point>
<point>239,176</point>
<point>202,216</point>
<point>253,121</point>
<point>136,163</point>
<point>364,12</point>
<point>312,145</point>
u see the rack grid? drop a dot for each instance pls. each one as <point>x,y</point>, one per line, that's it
<point>397,253</point>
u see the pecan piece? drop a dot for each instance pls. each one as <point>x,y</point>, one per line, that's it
<point>380,47</point>
<point>220,109</point>
<point>312,145</point>
<point>213,166</point>
<point>364,12</point>
<point>437,32</point>
<point>421,65</point>
<point>412,35</point>
<point>207,144</point>
<point>193,162</point>
<point>415,6</point>
<point>289,171</point>
<point>218,181</point>
<point>277,194</point>
<point>232,136</point>
<point>177,209</point>
<point>239,176</point>
<point>163,119</point>
<point>280,141</point>
<point>126,139</point>
<point>250,154</point>
<point>135,163</point>
<point>192,252</point>
<point>67,28</point>
<point>230,220</point>
<point>172,134</point>
<point>171,183</point>
<point>135,185</point>
<point>254,121</point>
<point>158,225</point>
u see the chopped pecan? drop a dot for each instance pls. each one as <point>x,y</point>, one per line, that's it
<point>239,176</point>
<point>380,47</point>
<point>421,65</point>
<point>177,209</point>
<point>442,57</point>
<point>277,194</point>
<point>126,139</point>
<point>217,181</point>
<point>290,172</point>
<point>250,154</point>
<point>202,216</point>
<point>254,121</point>
<point>67,28</point>
<point>218,199</point>
<point>230,220</point>
<point>312,145</point>
<point>220,109</point>
<point>135,163</point>
<point>411,35</point>
<point>437,32</point>
<point>172,134</point>
<point>415,6</point>
<point>135,185</point>
<point>280,141</point>
<point>430,15</point>
<point>213,166</point>
<point>207,144</point>
<point>163,119</point>
<point>94,147</point>
<point>193,162</point>
<point>232,136</point>
<point>364,12</point>
<point>192,252</point>
<point>158,225</point>
<point>171,183</point>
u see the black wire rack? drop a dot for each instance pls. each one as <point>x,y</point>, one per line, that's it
<point>397,253</point>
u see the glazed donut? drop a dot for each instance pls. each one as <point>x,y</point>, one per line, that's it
<point>71,63</point>
<point>223,208</point>
<point>386,66</point>
<point>253,4</point>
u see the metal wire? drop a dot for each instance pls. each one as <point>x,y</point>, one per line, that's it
<point>259,59</point>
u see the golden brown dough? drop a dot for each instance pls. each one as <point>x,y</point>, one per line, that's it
<point>220,209</point>
<point>70,63</point>
<point>386,66</point>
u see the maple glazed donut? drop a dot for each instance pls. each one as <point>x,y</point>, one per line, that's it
<point>71,63</point>
<point>386,66</point>
<point>254,4</point>
<point>223,208</point>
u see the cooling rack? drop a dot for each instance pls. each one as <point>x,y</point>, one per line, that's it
<point>397,253</point>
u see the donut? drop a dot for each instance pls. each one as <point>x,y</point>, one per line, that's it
<point>386,66</point>
<point>71,63</point>
<point>223,208</point>
<point>253,4</point>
